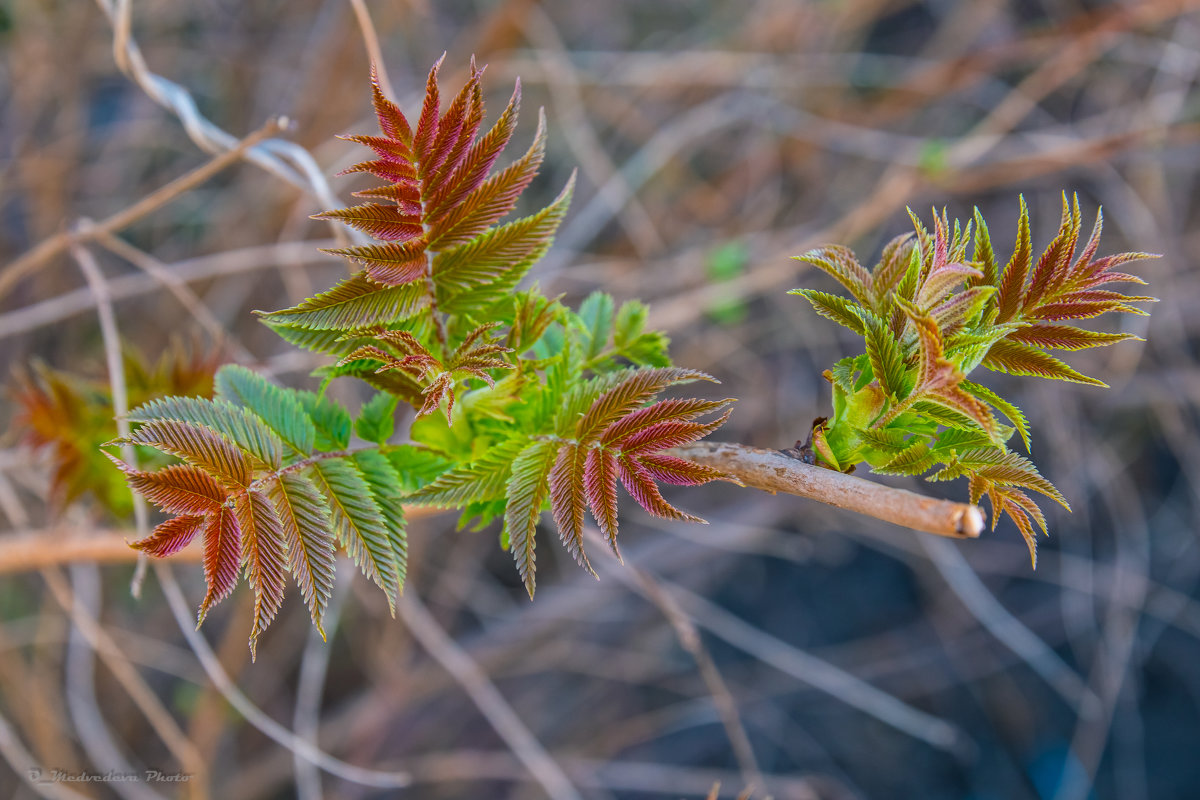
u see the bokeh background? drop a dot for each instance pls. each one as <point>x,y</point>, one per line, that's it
<point>714,140</point>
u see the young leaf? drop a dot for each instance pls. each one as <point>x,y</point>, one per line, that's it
<point>358,522</point>
<point>377,420</point>
<point>527,490</point>
<point>239,425</point>
<point>353,304</point>
<point>170,536</point>
<point>197,445</point>
<point>263,549</point>
<point>306,524</point>
<point>222,557</point>
<point>276,406</point>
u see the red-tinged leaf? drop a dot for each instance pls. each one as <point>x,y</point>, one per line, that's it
<point>176,489</point>
<point>1104,296</point>
<point>476,164</point>
<point>1023,525</point>
<point>1055,264</point>
<point>1010,469</point>
<point>932,351</point>
<point>662,411</point>
<point>442,388</point>
<point>222,557</point>
<point>628,394</point>
<point>392,121</point>
<point>641,488</point>
<point>600,486</point>
<point>678,471</point>
<point>369,351</point>
<point>1019,359</point>
<point>843,266</point>
<point>501,252</point>
<point>1012,279</point>
<point>406,195</point>
<point>1066,337</point>
<point>958,399</point>
<point>456,129</point>
<point>893,263</point>
<point>396,172</point>
<point>170,537</point>
<point>427,123</point>
<point>1083,263</point>
<point>567,500</point>
<point>671,433</point>
<point>198,446</point>
<point>960,307</point>
<point>939,282</point>
<point>307,532</point>
<point>386,222</point>
<point>392,264</point>
<point>1025,502</point>
<point>386,148</point>
<point>1102,266</point>
<point>263,550</point>
<point>976,487</point>
<point>1057,312</point>
<point>485,205</point>
<point>1105,278</point>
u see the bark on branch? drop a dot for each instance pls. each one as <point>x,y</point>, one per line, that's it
<point>773,472</point>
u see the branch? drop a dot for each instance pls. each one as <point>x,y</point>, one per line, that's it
<point>773,472</point>
<point>768,470</point>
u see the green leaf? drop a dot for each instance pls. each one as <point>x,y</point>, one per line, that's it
<point>527,491</point>
<point>278,407</point>
<point>377,471</point>
<point>377,420</point>
<point>596,314</point>
<point>330,420</point>
<point>415,466</point>
<point>353,304</point>
<point>1010,411</point>
<point>913,460</point>
<point>984,256</point>
<point>841,264</point>
<point>887,359</point>
<point>358,521</point>
<point>629,323</point>
<point>842,311</point>
<point>480,480</point>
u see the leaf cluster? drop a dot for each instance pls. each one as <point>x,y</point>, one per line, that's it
<point>929,314</point>
<point>515,403</point>
<point>68,416</point>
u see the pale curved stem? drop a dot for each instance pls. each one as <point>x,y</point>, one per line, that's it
<point>772,471</point>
